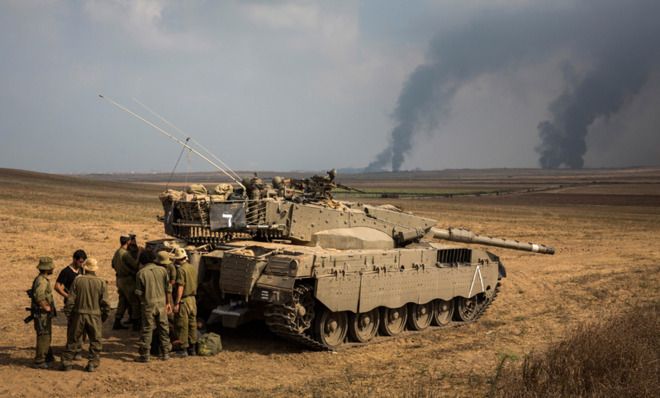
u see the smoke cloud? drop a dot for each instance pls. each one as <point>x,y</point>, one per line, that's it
<point>618,41</point>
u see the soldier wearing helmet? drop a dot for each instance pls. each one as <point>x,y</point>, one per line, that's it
<point>126,266</point>
<point>43,310</point>
<point>155,293</point>
<point>185,304</point>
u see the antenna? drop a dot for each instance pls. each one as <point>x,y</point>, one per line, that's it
<point>174,138</point>
<point>188,137</point>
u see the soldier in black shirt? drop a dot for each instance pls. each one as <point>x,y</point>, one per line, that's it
<point>64,282</point>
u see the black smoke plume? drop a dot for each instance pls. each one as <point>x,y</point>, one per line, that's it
<point>619,40</point>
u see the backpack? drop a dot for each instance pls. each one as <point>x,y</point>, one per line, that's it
<point>209,344</point>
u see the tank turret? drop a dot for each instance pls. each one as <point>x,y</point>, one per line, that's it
<point>304,215</point>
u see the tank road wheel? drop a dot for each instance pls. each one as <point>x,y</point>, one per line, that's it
<point>331,328</point>
<point>443,311</point>
<point>363,327</point>
<point>468,309</point>
<point>420,316</point>
<point>303,305</point>
<point>393,320</point>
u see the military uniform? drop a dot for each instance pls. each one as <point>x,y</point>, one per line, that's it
<point>152,287</point>
<point>42,297</point>
<point>185,321</point>
<point>87,307</point>
<point>125,266</point>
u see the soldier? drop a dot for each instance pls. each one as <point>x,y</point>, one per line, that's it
<point>88,308</point>
<point>171,277</point>
<point>43,310</point>
<point>185,304</point>
<point>63,287</point>
<point>126,267</point>
<point>155,292</point>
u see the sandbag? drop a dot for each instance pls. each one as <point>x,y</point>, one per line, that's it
<point>209,344</point>
<point>170,195</point>
<point>223,189</point>
<point>198,189</point>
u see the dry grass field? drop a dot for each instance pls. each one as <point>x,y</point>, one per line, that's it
<point>605,226</point>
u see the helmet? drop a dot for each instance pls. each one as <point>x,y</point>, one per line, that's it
<point>163,258</point>
<point>45,264</point>
<point>277,181</point>
<point>91,265</point>
<point>179,254</point>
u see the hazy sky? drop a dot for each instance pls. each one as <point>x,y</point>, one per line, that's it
<point>287,85</point>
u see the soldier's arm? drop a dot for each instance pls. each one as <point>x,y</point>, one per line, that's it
<point>168,286</point>
<point>40,296</point>
<point>179,295</point>
<point>180,282</point>
<point>59,288</point>
<point>139,285</point>
<point>168,292</point>
<point>103,302</point>
<point>130,261</point>
<point>68,308</point>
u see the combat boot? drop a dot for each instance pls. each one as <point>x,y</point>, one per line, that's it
<point>65,368</point>
<point>142,358</point>
<point>192,350</point>
<point>90,367</point>
<point>118,325</point>
<point>42,365</point>
<point>180,353</point>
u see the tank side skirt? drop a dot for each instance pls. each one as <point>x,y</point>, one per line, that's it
<point>365,291</point>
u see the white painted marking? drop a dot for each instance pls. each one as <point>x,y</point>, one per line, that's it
<point>228,217</point>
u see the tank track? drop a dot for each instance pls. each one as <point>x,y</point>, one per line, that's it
<point>483,309</point>
<point>280,320</point>
<point>284,331</point>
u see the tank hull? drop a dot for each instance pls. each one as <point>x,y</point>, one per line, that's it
<point>323,298</point>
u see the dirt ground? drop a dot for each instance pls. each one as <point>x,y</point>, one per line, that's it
<point>607,237</point>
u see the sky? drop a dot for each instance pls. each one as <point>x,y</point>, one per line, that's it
<point>297,85</point>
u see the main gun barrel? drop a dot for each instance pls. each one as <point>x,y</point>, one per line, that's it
<point>467,236</point>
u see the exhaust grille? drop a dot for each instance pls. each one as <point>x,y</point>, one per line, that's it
<point>454,256</point>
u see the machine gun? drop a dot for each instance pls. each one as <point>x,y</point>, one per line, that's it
<point>320,187</point>
<point>35,310</point>
<point>347,188</point>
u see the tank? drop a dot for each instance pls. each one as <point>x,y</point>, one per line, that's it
<point>324,272</point>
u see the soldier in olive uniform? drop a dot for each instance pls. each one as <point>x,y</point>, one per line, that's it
<point>43,310</point>
<point>88,308</point>
<point>126,267</point>
<point>155,292</point>
<point>171,276</point>
<point>185,304</point>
